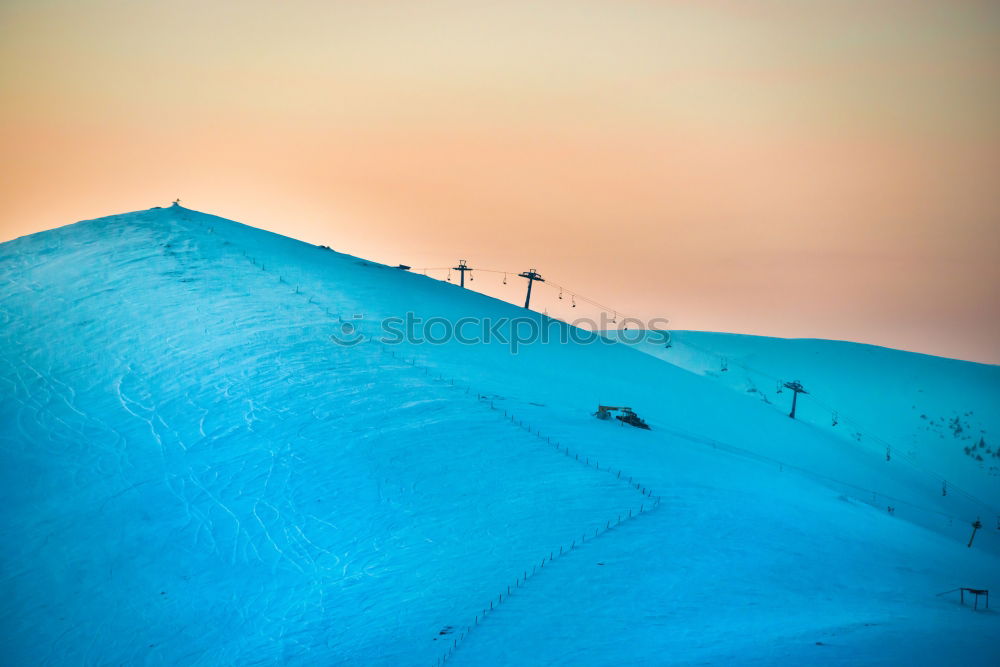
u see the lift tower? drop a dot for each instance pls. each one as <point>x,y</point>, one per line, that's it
<point>462,268</point>
<point>798,389</point>
<point>532,276</point>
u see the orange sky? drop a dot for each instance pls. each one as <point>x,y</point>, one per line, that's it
<point>780,167</point>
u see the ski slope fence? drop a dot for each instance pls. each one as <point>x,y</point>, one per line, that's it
<point>649,501</point>
<point>930,518</point>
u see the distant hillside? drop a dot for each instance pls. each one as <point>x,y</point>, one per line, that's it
<point>939,413</point>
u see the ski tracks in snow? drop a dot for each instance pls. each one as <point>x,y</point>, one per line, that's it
<point>606,525</point>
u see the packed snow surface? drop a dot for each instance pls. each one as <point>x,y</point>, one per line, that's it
<point>938,413</point>
<point>197,472</point>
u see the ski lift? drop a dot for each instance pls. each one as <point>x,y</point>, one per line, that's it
<point>449,275</point>
<point>614,318</point>
<point>560,292</point>
<point>573,299</point>
<point>505,279</point>
<point>779,387</point>
<point>725,365</point>
<point>834,422</point>
<point>944,488</point>
<point>888,453</point>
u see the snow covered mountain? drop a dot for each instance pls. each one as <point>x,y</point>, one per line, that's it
<point>930,412</point>
<point>214,456</point>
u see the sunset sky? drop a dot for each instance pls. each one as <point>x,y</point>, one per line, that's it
<point>780,167</point>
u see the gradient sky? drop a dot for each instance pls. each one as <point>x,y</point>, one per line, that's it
<point>780,167</point>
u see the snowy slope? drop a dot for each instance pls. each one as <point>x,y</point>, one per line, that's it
<point>197,474</point>
<point>936,413</point>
